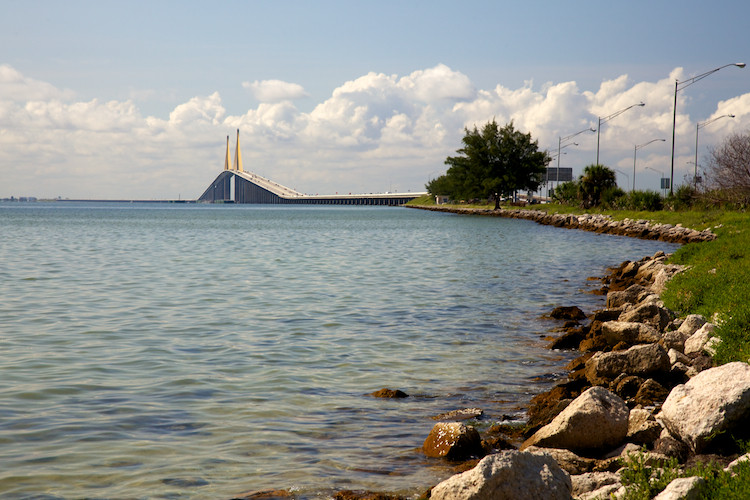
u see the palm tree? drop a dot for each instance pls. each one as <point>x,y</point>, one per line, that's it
<point>595,180</point>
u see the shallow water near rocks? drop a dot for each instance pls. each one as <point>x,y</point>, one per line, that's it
<point>193,351</point>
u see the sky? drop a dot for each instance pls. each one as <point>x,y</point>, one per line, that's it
<point>135,100</point>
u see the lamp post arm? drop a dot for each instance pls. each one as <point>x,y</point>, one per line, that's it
<point>563,139</point>
<point>606,119</point>
<point>688,82</point>
<point>618,113</point>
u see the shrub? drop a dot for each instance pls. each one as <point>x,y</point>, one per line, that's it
<point>645,200</point>
<point>566,193</point>
<point>613,198</point>
<point>684,198</point>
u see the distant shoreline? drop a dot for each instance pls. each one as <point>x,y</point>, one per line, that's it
<point>597,223</point>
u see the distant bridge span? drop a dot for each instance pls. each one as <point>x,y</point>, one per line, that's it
<point>235,185</point>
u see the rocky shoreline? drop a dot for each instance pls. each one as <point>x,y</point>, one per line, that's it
<point>643,388</point>
<point>598,223</point>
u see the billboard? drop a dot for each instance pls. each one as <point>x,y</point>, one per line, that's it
<point>559,174</point>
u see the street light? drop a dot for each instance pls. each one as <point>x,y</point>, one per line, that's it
<point>699,126</point>
<point>560,140</point>
<point>608,118</point>
<point>685,84</point>
<point>623,173</point>
<point>636,148</point>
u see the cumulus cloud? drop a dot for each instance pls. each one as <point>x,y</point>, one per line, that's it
<point>377,132</point>
<point>275,90</point>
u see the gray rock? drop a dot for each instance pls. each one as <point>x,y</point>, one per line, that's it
<point>631,295</point>
<point>691,324</point>
<point>639,360</point>
<point>616,490</point>
<point>591,481</point>
<point>714,401</point>
<point>630,332</point>
<point>642,427</point>
<point>674,339</point>
<point>650,392</point>
<point>675,356</point>
<point>697,341</point>
<point>569,461</point>
<point>595,420</point>
<point>663,276</point>
<point>682,488</point>
<point>510,475</point>
<point>650,314</point>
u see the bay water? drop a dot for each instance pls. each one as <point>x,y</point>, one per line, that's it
<point>205,351</point>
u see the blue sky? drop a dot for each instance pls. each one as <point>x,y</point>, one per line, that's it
<point>135,99</point>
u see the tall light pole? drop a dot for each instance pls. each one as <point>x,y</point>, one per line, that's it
<point>683,85</point>
<point>608,118</point>
<point>636,148</point>
<point>699,126</point>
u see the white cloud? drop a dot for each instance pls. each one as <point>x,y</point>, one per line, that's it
<point>275,90</point>
<point>437,83</point>
<point>374,133</point>
<point>17,87</point>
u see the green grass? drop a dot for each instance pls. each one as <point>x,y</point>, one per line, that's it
<point>643,481</point>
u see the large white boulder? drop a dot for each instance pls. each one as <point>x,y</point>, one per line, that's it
<point>508,475</point>
<point>596,420</point>
<point>712,402</point>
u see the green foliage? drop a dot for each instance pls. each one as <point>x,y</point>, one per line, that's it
<point>643,481</point>
<point>612,197</point>
<point>596,179</point>
<point>566,193</point>
<point>426,199</point>
<point>650,201</point>
<point>722,485</point>
<point>492,162</point>
<point>597,186</point>
<point>616,199</point>
<point>684,198</point>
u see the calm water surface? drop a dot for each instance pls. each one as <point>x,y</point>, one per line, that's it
<point>190,351</point>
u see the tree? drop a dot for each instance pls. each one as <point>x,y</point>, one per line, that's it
<point>595,180</point>
<point>728,172</point>
<point>492,163</point>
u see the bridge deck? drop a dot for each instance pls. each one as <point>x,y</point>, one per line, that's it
<point>253,188</point>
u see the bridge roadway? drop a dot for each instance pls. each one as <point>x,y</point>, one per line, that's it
<point>253,188</point>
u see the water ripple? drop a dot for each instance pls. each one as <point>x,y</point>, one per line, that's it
<point>203,351</point>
